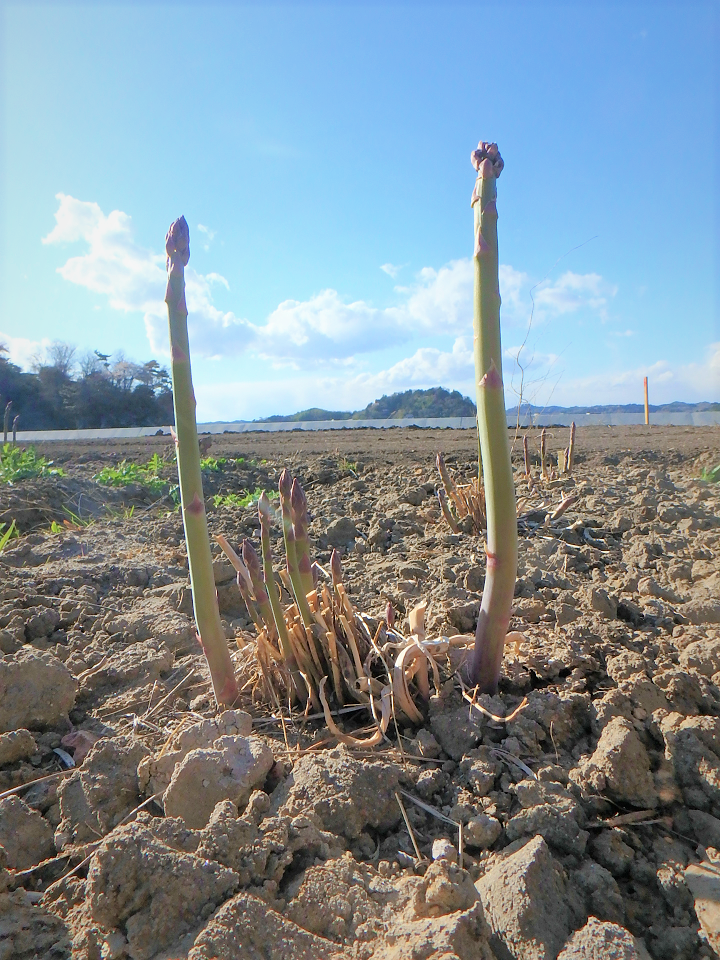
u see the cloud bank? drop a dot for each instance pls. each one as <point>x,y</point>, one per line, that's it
<point>325,327</point>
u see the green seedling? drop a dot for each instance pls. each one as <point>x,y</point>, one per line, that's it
<point>712,475</point>
<point>7,535</point>
<point>18,463</point>
<point>500,508</point>
<point>207,615</point>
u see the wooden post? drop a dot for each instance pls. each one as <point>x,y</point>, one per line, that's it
<point>647,409</point>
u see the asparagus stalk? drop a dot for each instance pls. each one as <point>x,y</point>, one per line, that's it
<point>285,489</point>
<point>252,562</point>
<point>543,470</point>
<point>207,614</point>
<point>298,510</point>
<point>264,512</point>
<point>501,548</point>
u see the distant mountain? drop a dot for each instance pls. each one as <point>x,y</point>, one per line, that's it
<point>439,402</point>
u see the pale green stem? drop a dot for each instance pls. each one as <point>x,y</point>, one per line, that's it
<point>264,512</point>
<point>285,488</point>
<point>500,506</point>
<point>207,615</point>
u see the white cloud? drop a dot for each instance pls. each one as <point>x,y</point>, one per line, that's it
<point>571,292</point>
<point>667,381</point>
<point>22,351</point>
<point>321,328</point>
<point>545,384</point>
<point>208,234</point>
<point>391,269</point>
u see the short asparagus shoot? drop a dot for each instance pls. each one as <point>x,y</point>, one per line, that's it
<point>501,548</point>
<point>207,615</point>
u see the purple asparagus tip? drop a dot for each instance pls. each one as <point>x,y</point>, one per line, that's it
<point>390,615</point>
<point>487,151</point>
<point>250,558</point>
<point>336,567</point>
<point>285,484</point>
<point>177,240</point>
<point>298,500</point>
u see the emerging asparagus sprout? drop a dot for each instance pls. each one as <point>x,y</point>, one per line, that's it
<point>329,650</point>
<point>207,615</point>
<point>500,507</point>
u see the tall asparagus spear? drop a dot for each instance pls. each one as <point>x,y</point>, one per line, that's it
<point>484,667</point>
<point>207,615</point>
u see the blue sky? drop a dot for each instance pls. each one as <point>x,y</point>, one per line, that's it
<point>320,154</point>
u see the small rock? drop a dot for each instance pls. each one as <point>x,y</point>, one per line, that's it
<point>246,927</point>
<point>36,690</point>
<point>598,940</point>
<point>464,617</point>
<point>620,766</point>
<point>702,611</point>
<point>609,849</point>
<point>229,770</point>
<point>16,745</point>
<point>150,891</point>
<point>706,828</point>
<point>26,835</point>
<point>603,603</point>
<point>481,832</point>
<point>341,532</point>
<point>704,882</point>
<point>96,797</point>
<point>602,894</point>
<point>442,849</point>
<point>345,793</point>
<point>155,773</point>
<point>565,613</point>
<point>525,903</point>
<point>427,744</point>
<point>455,731</point>
<point>702,656</point>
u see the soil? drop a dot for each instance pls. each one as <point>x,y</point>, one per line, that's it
<point>586,824</point>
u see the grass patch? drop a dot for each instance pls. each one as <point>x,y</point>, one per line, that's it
<point>712,475</point>
<point>22,463</point>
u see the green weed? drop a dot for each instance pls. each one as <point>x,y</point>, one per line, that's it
<point>213,464</point>
<point>18,463</point>
<point>712,475</point>
<point>246,499</point>
<point>7,535</point>
<point>126,473</point>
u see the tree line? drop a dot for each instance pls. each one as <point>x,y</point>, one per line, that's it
<point>66,392</point>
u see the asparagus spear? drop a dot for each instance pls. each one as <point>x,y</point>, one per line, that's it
<point>285,488</point>
<point>501,548</point>
<point>264,512</point>
<point>298,510</point>
<point>207,615</point>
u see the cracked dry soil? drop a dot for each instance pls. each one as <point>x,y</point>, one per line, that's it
<point>590,821</point>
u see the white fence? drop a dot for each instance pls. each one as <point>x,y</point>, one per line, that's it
<point>692,418</point>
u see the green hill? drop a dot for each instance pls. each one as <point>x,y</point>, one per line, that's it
<point>436,402</point>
